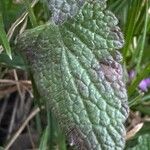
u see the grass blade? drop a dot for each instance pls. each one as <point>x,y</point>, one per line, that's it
<point>44,139</point>
<point>143,39</point>
<point>31,13</point>
<point>3,38</point>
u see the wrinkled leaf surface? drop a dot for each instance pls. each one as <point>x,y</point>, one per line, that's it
<point>77,69</point>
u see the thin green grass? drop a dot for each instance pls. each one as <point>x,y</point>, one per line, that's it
<point>31,13</point>
<point>143,39</point>
<point>3,37</point>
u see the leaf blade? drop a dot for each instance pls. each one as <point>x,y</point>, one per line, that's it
<point>76,67</point>
<point>3,37</point>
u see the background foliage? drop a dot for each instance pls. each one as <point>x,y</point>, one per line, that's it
<point>21,119</point>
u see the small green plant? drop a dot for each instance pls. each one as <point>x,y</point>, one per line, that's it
<point>70,51</point>
<point>75,67</point>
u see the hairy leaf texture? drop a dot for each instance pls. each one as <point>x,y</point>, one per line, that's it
<point>76,67</point>
<point>64,9</point>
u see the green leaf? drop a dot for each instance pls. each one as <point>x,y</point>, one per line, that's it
<point>3,37</point>
<point>16,62</point>
<point>1,148</point>
<point>142,143</point>
<point>31,13</point>
<point>44,139</point>
<point>62,9</point>
<point>76,68</point>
